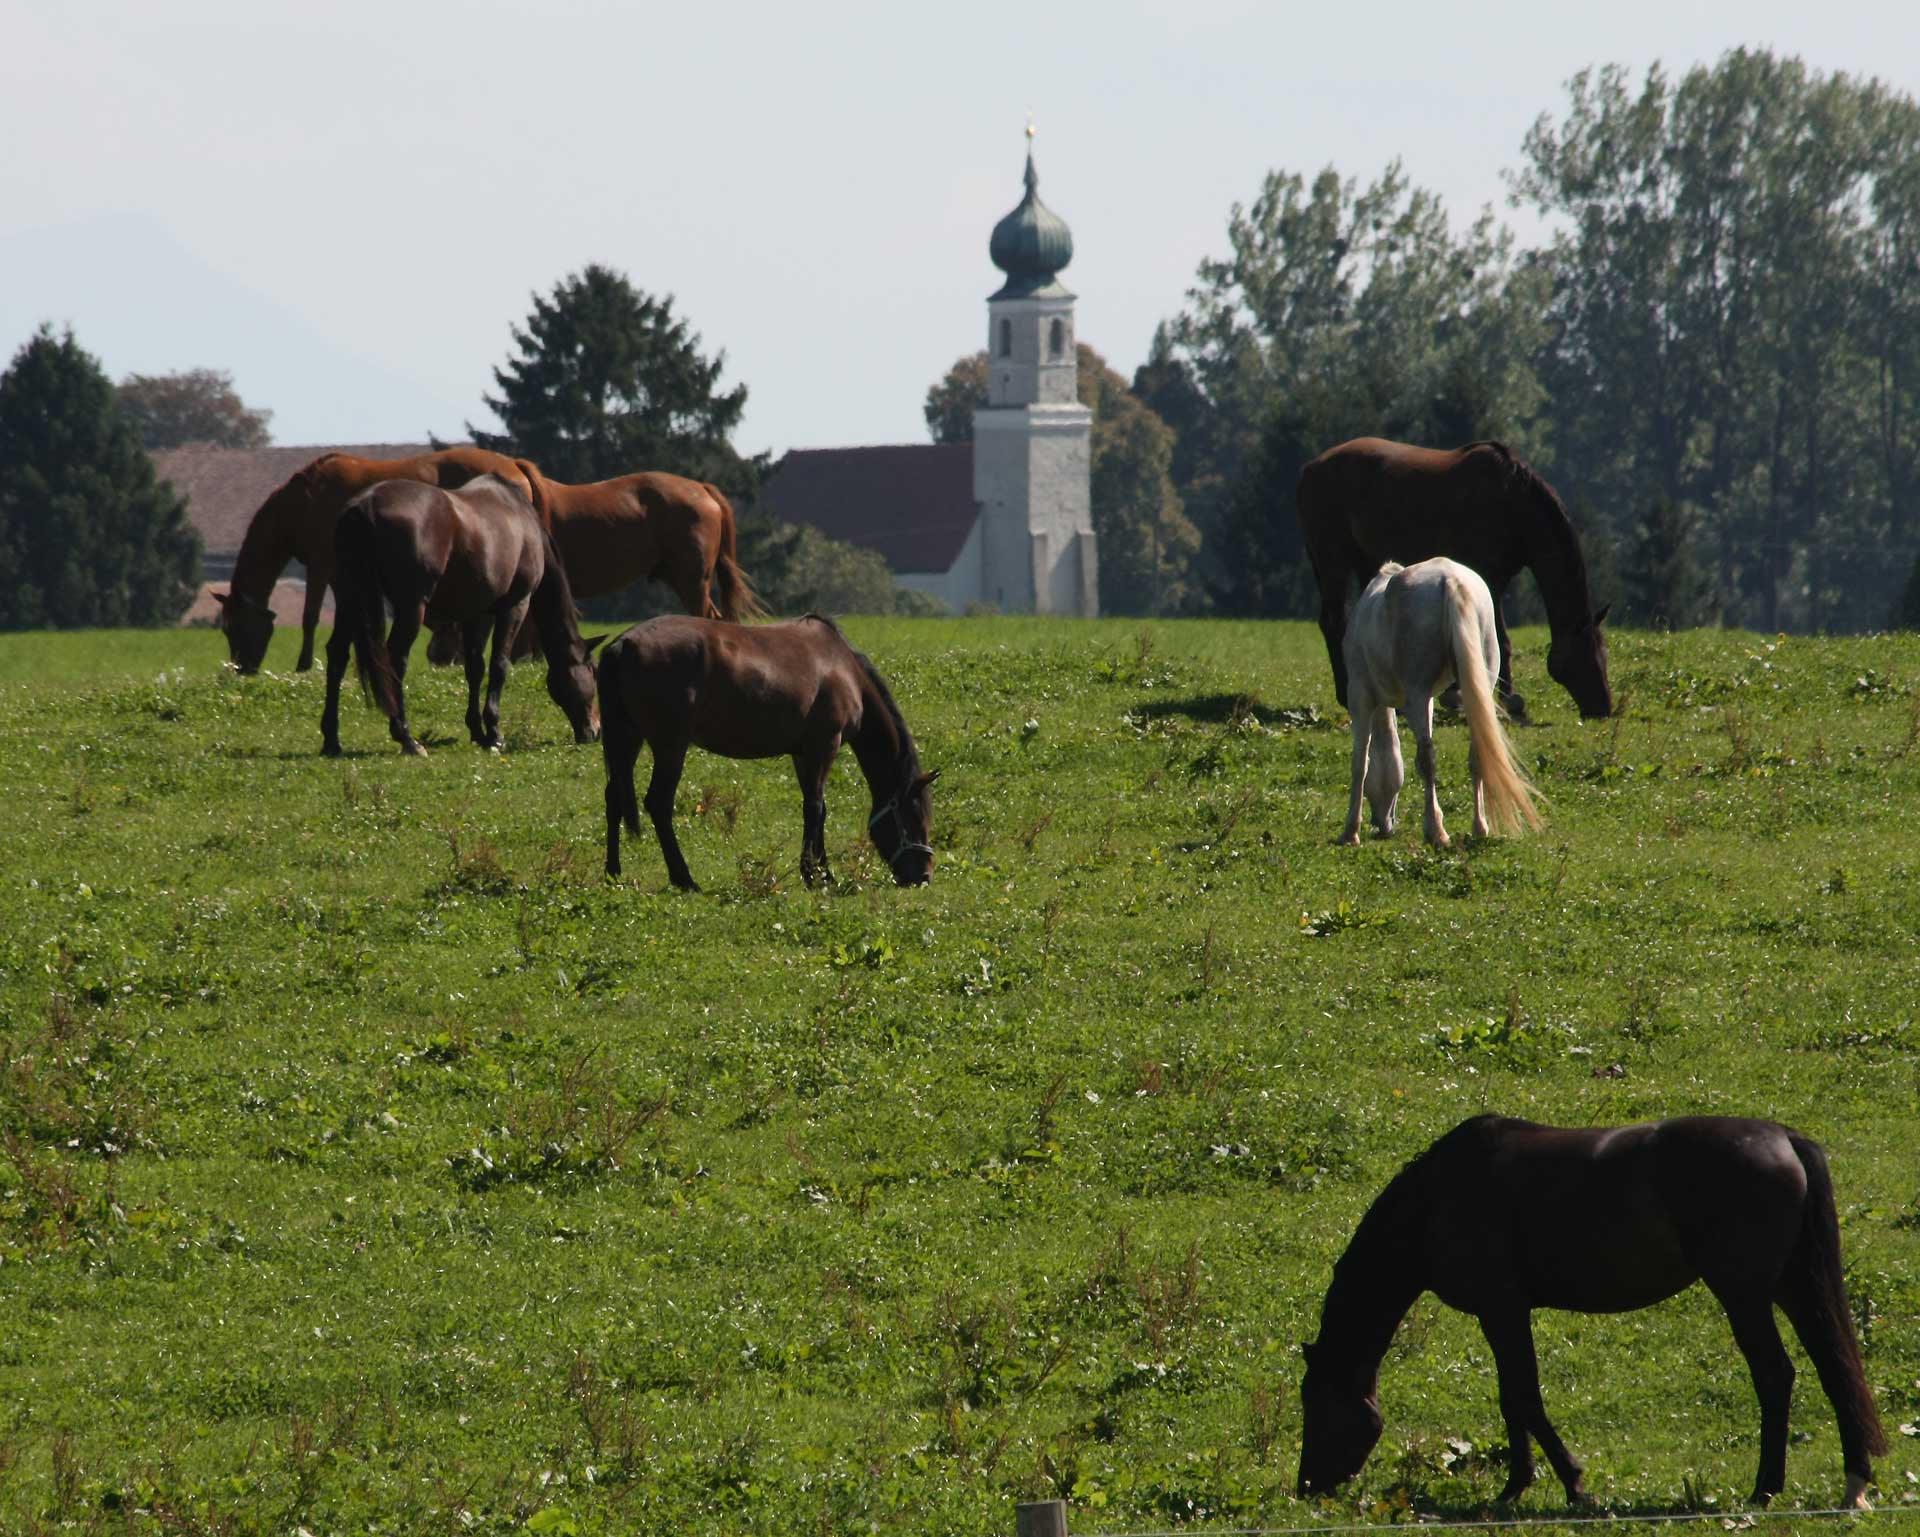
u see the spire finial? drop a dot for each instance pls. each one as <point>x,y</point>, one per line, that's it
<point>1032,180</point>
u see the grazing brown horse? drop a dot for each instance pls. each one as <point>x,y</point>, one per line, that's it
<point>761,691</point>
<point>296,523</point>
<point>613,533</point>
<point>1370,501</point>
<point>1500,1217</point>
<point>477,558</point>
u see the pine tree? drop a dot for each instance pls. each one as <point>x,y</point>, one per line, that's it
<point>87,535</point>
<point>608,382</point>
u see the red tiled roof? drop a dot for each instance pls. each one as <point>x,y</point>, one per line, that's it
<point>911,503</point>
<point>224,487</point>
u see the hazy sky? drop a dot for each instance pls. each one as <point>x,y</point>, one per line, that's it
<point>348,205</point>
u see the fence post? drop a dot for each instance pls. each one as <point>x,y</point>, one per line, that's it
<point>1041,1518</point>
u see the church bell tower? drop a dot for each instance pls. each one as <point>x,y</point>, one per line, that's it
<point>1032,441</point>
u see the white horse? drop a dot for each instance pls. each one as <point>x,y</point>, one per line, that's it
<point>1414,630</point>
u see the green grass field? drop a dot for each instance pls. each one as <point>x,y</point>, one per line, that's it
<point>371,1165</point>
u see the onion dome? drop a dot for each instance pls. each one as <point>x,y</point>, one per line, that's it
<point>1031,244</point>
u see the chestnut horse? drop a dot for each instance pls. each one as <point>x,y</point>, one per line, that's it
<point>762,691</point>
<point>1500,1217</point>
<point>296,523</point>
<point>477,558</point>
<point>1371,501</point>
<point>612,533</point>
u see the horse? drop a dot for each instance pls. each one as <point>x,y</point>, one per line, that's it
<point>296,523</point>
<point>1502,1216</point>
<point>477,557</point>
<point>1414,629</point>
<point>759,691</point>
<point>1370,501</point>
<point>612,533</point>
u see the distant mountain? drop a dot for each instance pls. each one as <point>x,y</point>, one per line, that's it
<point>142,303</point>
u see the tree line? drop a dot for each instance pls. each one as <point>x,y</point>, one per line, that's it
<point>1715,358</point>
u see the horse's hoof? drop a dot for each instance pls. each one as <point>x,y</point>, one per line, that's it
<point>414,750</point>
<point>1856,1495</point>
<point>330,749</point>
<point>1347,841</point>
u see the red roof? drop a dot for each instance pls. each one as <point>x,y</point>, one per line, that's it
<point>910,503</point>
<point>224,487</point>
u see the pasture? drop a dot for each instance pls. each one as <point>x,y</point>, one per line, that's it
<point>370,1164</point>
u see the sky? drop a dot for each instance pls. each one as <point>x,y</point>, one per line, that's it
<point>350,206</point>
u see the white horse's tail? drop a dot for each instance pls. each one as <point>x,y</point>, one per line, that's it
<point>1510,795</point>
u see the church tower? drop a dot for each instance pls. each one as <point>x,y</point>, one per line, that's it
<point>1032,441</point>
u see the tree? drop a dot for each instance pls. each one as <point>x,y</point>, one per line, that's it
<point>1735,304</point>
<point>797,570</point>
<point>1337,313</point>
<point>198,406</point>
<point>87,535</point>
<point>1664,585</point>
<point>608,382</point>
<point>1146,542</point>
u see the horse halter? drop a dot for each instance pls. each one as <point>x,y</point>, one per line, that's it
<point>892,808</point>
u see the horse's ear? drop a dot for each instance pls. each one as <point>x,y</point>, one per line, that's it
<point>1601,617</point>
<point>596,641</point>
<point>222,598</point>
<point>926,779</point>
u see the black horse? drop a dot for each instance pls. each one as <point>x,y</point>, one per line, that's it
<point>1500,1217</point>
<point>759,691</point>
<point>1371,501</point>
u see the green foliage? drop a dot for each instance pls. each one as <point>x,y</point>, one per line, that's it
<point>608,381</point>
<point>197,406</point>
<point>952,400</point>
<point>798,570</point>
<point>368,1163</point>
<point>1736,311</point>
<point>87,535</point>
<point>1665,586</point>
<point>1338,313</point>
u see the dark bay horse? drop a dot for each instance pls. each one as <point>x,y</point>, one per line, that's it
<point>1500,1217</point>
<point>1370,501</point>
<point>296,523</point>
<point>763,691</point>
<point>613,533</point>
<point>477,558</point>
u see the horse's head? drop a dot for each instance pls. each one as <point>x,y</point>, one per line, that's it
<point>1577,661</point>
<point>573,686</point>
<point>249,626</point>
<point>902,830</point>
<point>1340,1422</point>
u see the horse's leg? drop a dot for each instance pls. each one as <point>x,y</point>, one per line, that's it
<point>1420,717</point>
<point>1362,731</point>
<point>811,769</point>
<point>621,753</point>
<point>669,758</point>
<point>1514,704</point>
<point>1758,1337</point>
<point>310,615</point>
<point>500,663</point>
<point>1510,1333</point>
<point>1386,771</point>
<point>339,650</point>
<point>473,647</point>
<point>406,625</point>
<point>1333,625</point>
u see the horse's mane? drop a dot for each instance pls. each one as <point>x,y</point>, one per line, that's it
<point>1559,535</point>
<point>908,750</point>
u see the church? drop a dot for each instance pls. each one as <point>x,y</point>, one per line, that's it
<point>1004,522</point>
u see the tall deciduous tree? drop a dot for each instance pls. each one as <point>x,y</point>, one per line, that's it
<point>197,406</point>
<point>1338,312</point>
<point>1147,543</point>
<point>87,535</point>
<point>1735,295</point>
<point>608,381</point>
